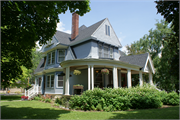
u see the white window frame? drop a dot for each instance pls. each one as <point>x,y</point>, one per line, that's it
<point>50,58</point>
<point>106,54</point>
<point>111,54</point>
<point>100,51</point>
<point>50,76</point>
<point>60,56</point>
<point>58,81</point>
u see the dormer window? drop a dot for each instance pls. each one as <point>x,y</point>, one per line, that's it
<point>107,27</point>
<point>51,57</point>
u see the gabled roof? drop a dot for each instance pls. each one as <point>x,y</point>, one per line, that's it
<point>82,27</point>
<point>63,37</point>
<point>87,32</point>
<point>40,67</point>
<point>139,60</point>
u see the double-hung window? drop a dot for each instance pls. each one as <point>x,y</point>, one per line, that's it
<point>100,50</point>
<point>106,52</point>
<point>50,81</point>
<point>111,52</point>
<point>61,55</point>
<point>107,27</point>
<point>51,57</point>
<point>60,81</point>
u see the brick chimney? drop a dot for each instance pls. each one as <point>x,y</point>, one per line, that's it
<point>75,26</point>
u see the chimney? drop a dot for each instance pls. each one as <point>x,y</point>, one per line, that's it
<point>75,26</point>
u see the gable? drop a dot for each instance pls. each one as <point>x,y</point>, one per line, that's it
<point>149,67</point>
<point>101,34</point>
<point>50,44</point>
<point>69,55</point>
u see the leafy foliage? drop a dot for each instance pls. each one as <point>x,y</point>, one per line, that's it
<point>24,23</point>
<point>155,44</point>
<point>170,11</point>
<point>122,99</point>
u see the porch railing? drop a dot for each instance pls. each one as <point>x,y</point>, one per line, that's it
<point>31,92</point>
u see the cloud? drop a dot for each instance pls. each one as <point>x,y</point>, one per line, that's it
<point>124,49</point>
<point>121,38</point>
<point>60,27</point>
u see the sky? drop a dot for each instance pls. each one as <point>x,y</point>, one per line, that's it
<point>130,19</point>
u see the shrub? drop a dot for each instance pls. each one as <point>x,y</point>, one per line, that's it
<point>48,100</point>
<point>99,107</point>
<point>118,99</point>
<point>172,98</point>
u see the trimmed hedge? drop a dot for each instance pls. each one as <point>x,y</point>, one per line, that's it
<point>123,99</point>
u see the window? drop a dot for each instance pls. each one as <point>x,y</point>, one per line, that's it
<point>50,81</point>
<point>61,55</point>
<point>51,58</point>
<point>107,27</point>
<point>111,52</point>
<point>100,50</point>
<point>106,52</point>
<point>60,81</point>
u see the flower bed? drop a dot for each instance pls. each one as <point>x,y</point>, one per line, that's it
<point>24,97</point>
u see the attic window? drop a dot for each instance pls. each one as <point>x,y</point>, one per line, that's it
<point>107,27</point>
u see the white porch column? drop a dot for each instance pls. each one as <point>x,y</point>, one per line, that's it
<point>140,78</point>
<point>92,76</point>
<point>89,77</point>
<point>64,80</point>
<point>119,79</point>
<point>115,84</point>
<point>129,78</point>
<point>150,78</point>
<point>67,82</point>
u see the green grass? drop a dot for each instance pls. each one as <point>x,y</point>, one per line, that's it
<point>11,97</point>
<point>40,110</point>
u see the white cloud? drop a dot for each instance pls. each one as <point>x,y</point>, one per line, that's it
<point>60,27</point>
<point>121,38</point>
<point>124,49</point>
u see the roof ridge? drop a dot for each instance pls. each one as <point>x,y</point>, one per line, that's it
<point>62,32</point>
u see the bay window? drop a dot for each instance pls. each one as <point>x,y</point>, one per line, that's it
<point>50,81</point>
<point>60,81</point>
<point>61,55</point>
<point>51,57</point>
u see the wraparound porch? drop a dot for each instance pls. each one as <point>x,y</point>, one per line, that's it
<point>93,67</point>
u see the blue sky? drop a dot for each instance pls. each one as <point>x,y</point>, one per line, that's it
<point>130,19</point>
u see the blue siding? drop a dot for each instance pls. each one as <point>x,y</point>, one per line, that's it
<point>83,50</point>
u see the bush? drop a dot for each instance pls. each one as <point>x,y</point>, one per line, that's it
<point>172,98</point>
<point>99,107</point>
<point>119,99</point>
<point>48,100</point>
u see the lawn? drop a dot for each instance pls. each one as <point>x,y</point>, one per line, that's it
<point>40,110</point>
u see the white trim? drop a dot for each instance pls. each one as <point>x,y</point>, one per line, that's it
<point>129,78</point>
<point>89,77</point>
<point>67,81</point>
<point>49,81</point>
<point>92,76</point>
<point>58,55</point>
<point>140,78</point>
<point>60,80</point>
<point>103,62</point>
<point>151,64</point>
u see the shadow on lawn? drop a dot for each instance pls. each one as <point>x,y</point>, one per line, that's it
<point>11,97</point>
<point>164,113</point>
<point>30,113</point>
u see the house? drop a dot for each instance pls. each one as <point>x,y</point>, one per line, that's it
<point>88,49</point>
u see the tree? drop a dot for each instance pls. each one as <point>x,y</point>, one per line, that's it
<point>170,11</point>
<point>155,44</point>
<point>24,23</point>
